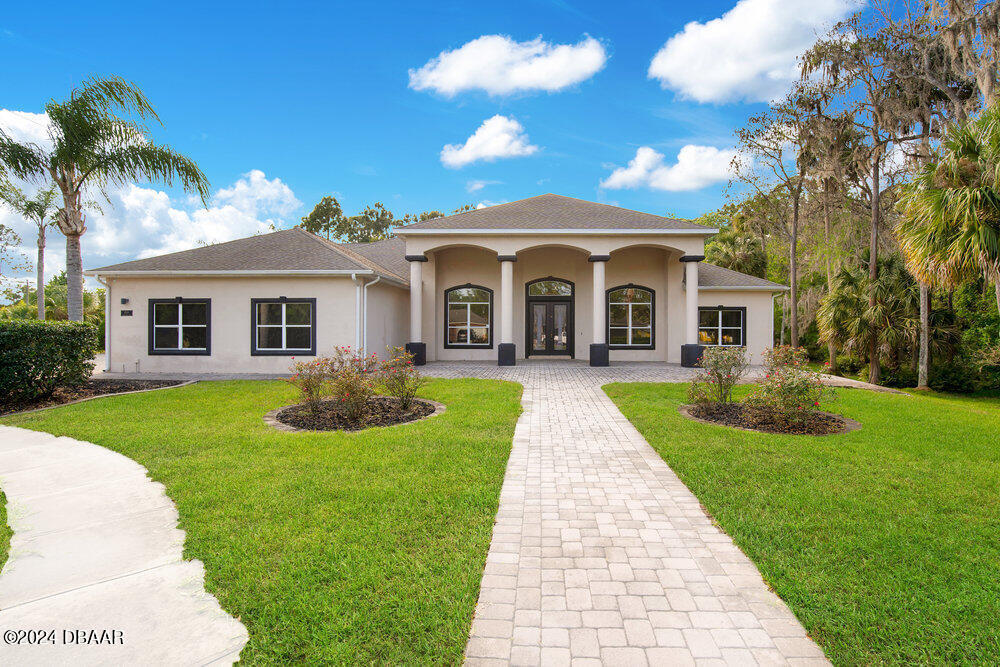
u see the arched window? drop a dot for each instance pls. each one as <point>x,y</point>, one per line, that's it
<point>468,316</point>
<point>630,317</point>
<point>550,287</point>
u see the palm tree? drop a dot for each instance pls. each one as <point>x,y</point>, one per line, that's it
<point>93,147</point>
<point>36,209</point>
<point>740,252</point>
<point>950,228</point>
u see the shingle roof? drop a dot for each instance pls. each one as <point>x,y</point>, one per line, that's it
<point>388,254</point>
<point>710,275</point>
<point>551,211</point>
<point>287,250</point>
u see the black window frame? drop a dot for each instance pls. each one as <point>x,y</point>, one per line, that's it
<point>652,318</point>
<point>467,346</point>
<point>151,329</point>
<point>271,352</point>
<point>719,309</point>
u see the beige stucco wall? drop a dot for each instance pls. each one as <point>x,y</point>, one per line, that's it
<point>388,317</point>
<point>230,350</point>
<point>760,316</point>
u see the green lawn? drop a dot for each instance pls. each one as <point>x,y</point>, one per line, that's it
<point>331,548</point>
<point>885,542</point>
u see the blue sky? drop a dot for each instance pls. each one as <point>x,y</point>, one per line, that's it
<point>313,99</point>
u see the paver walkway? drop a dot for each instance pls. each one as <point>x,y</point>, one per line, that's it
<point>96,548</point>
<point>600,554</point>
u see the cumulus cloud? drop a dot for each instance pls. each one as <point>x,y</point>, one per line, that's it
<point>499,65</point>
<point>696,167</point>
<point>477,185</point>
<point>498,137</point>
<point>749,53</point>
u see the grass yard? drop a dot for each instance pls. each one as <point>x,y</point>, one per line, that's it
<point>331,548</point>
<point>885,542</point>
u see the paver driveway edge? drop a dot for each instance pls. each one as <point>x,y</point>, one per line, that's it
<point>96,548</point>
<point>601,555</point>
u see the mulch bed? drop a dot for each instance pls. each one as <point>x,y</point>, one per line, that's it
<point>89,389</point>
<point>382,411</point>
<point>734,415</point>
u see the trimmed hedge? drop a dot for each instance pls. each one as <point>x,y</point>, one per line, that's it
<point>38,356</point>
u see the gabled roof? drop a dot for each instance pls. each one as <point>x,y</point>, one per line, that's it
<point>286,251</point>
<point>389,253</point>
<point>554,212</point>
<point>716,277</point>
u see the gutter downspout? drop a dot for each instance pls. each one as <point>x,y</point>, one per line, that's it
<point>107,324</point>
<point>358,299</point>
<point>364,339</point>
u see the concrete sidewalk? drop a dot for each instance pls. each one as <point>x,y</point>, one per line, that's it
<point>96,548</point>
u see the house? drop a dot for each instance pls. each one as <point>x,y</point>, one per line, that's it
<point>548,276</point>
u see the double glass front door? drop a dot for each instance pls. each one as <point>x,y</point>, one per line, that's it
<point>549,329</point>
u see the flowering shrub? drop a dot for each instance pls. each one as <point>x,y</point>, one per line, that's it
<point>789,391</point>
<point>353,377</point>
<point>400,377</point>
<point>312,379</point>
<point>722,369</point>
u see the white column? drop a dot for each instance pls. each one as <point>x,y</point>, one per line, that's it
<point>600,327</point>
<point>691,301</point>
<point>506,301</point>
<point>416,301</point>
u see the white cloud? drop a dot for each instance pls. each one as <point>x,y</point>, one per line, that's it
<point>500,66</point>
<point>749,53</point>
<point>696,167</point>
<point>487,203</point>
<point>477,185</point>
<point>498,137</point>
<point>140,221</point>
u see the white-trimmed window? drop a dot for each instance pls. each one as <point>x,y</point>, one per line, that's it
<point>468,316</point>
<point>630,317</point>
<point>283,326</point>
<point>722,325</point>
<point>180,326</point>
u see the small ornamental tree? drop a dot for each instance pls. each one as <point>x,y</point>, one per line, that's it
<point>722,369</point>
<point>400,377</point>
<point>789,392</point>
<point>353,378</point>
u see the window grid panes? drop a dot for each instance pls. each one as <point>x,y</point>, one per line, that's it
<point>722,327</point>
<point>630,317</point>
<point>469,316</point>
<point>284,326</point>
<point>180,326</point>
<point>550,288</point>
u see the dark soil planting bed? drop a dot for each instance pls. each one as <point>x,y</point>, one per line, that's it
<point>89,389</point>
<point>735,415</point>
<point>381,411</point>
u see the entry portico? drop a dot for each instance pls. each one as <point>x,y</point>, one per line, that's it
<point>580,279</point>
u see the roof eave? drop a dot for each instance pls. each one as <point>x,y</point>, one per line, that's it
<point>158,273</point>
<point>742,288</point>
<point>706,231</point>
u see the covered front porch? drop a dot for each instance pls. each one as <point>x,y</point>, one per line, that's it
<point>598,300</point>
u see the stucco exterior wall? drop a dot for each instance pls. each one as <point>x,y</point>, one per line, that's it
<point>388,318</point>
<point>230,320</point>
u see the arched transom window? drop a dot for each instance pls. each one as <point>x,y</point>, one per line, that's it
<point>630,317</point>
<point>550,287</point>
<point>469,316</point>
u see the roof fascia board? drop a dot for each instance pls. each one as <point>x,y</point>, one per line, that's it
<point>559,232</point>
<point>250,272</point>
<point>743,288</point>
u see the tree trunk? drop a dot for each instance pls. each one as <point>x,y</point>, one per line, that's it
<point>793,270</point>
<point>40,273</point>
<point>74,278</point>
<point>874,373</point>
<point>781,332</point>
<point>923,363</point>
<point>831,346</point>
<point>996,286</point>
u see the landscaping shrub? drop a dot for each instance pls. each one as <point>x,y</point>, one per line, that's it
<point>312,379</point>
<point>722,369</point>
<point>400,377</point>
<point>353,377</point>
<point>848,365</point>
<point>901,377</point>
<point>988,364</point>
<point>37,357</point>
<point>789,392</point>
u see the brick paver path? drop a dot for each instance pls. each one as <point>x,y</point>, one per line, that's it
<point>600,554</point>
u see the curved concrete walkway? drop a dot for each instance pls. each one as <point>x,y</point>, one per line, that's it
<point>601,555</point>
<point>96,548</point>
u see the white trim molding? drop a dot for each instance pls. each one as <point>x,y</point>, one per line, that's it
<point>557,232</point>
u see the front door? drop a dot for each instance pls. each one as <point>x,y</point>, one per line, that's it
<point>550,317</point>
